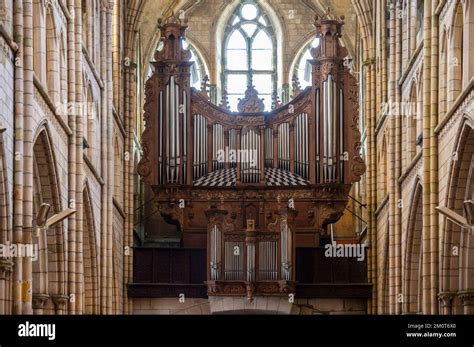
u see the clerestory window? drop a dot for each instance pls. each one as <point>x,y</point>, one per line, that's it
<point>249,55</point>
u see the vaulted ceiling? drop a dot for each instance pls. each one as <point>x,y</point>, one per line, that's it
<point>148,11</point>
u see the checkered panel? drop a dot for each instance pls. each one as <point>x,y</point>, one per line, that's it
<point>228,178</point>
<point>219,178</point>
<point>277,177</point>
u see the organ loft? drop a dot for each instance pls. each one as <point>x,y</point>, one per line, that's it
<point>249,213</point>
<point>252,194</point>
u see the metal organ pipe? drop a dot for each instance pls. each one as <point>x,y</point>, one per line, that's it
<point>301,145</point>
<point>200,146</point>
<point>160,159</point>
<point>334,129</point>
<point>215,253</point>
<point>283,147</point>
<point>185,137</point>
<point>341,136</point>
<point>330,129</point>
<point>268,147</point>
<point>318,111</point>
<point>285,252</point>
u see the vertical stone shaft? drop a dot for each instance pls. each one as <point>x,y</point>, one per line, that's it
<point>18,150</point>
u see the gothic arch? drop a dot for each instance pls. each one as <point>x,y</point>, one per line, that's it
<point>5,235</point>
<point>52,61</point>
<point>276,24</point>
<point>458,243</point>
<point>411,272</point>
<point>90,263</point>
<point>385,274</point>
<point>49,271</point>
<point>443,71</point>
<point>455,62</point>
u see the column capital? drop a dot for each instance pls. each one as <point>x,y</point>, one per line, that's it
<point>467,297</point>
<point>60,301</point>
<point>6,267</point>
<point>446,298</point>
<point>40,301</point>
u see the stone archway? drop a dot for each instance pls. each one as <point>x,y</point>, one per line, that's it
<point>457,277</point>
<point>49,282</point>
<point>6,264</point>
<point>412,284</point>
<point>90,267</point>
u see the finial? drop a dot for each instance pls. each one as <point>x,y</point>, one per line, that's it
<point>296,86</point>
<point>225,101</point>
<point>275,100</point>
<point>205,86</point>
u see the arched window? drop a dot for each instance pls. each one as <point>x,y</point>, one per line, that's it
<point>249,54</point>
<point>303,67</point>
<point>198,69</point>
<point>420,14</point>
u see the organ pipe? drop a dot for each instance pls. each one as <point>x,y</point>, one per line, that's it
<point>200,147</point>
<point>215,253</point>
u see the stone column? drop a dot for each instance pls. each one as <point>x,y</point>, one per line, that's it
<point>6,267</point>
<point>18,164</point>
<point>28,134</point>
<point>434,177</point>
<point>428,296</point>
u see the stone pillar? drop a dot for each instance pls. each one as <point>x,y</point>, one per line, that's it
<point>6,267</point>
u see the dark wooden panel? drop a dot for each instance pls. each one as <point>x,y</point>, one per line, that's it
<point>143,266</point>
<point>312,266</point>
<point>169,265</point>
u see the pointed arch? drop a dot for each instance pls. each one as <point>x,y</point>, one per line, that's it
<point>52,61</point>
<point>271,25</point>
<point>457,242</point>
<point>411,272</point>
<point>443,72</point>
<point>456,48</point>
<point>90,257</point>
<point>5,234</point>
<point>49,272</point>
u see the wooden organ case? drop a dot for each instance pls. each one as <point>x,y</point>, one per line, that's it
<point>251,186</point>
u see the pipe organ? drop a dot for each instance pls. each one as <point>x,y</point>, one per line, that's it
<point>238,171</point>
